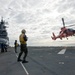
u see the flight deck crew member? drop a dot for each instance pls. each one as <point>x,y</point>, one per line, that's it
<point>2,47</point>
<point>15,46</point>
<point>5,47</point>
<point>23,46</point>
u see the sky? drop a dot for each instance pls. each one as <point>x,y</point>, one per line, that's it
<point>39,18</point>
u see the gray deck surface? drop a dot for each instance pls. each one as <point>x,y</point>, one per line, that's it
<point>42,61</point>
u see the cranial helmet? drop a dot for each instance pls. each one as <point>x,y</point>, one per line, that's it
<point>23,31</point>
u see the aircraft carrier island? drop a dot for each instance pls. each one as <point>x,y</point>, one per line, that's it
<point>3,33</point>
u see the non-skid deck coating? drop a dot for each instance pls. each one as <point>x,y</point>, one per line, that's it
<point>42,61</point>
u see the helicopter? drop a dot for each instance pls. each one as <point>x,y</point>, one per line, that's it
<point>64,33</point>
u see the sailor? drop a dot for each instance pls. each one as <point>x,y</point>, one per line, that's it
<point>2,47</point>
<point>15,46</point>
<point>23,46</point>
<point>5,47</point>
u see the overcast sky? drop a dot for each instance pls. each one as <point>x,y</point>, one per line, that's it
<point>40,18</point>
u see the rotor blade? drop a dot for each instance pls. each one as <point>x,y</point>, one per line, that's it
<point>71,25</point>
<point>63,22</point>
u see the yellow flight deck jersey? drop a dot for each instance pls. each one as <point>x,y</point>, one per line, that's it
<point>16,44</point>
<point>22,40</point>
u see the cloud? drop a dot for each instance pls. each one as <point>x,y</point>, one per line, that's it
<point>64,6</point>
<point>39,17</point>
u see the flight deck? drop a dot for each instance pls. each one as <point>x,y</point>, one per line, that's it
<point>42,61</point>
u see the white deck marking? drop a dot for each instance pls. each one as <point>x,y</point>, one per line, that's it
<point>61,63</point>
<point>62,51</point>
<point>23,67</point>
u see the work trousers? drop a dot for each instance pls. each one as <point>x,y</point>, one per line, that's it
<point>23,49</point>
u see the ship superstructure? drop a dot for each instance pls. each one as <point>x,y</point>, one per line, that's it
<point>3,33</point>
